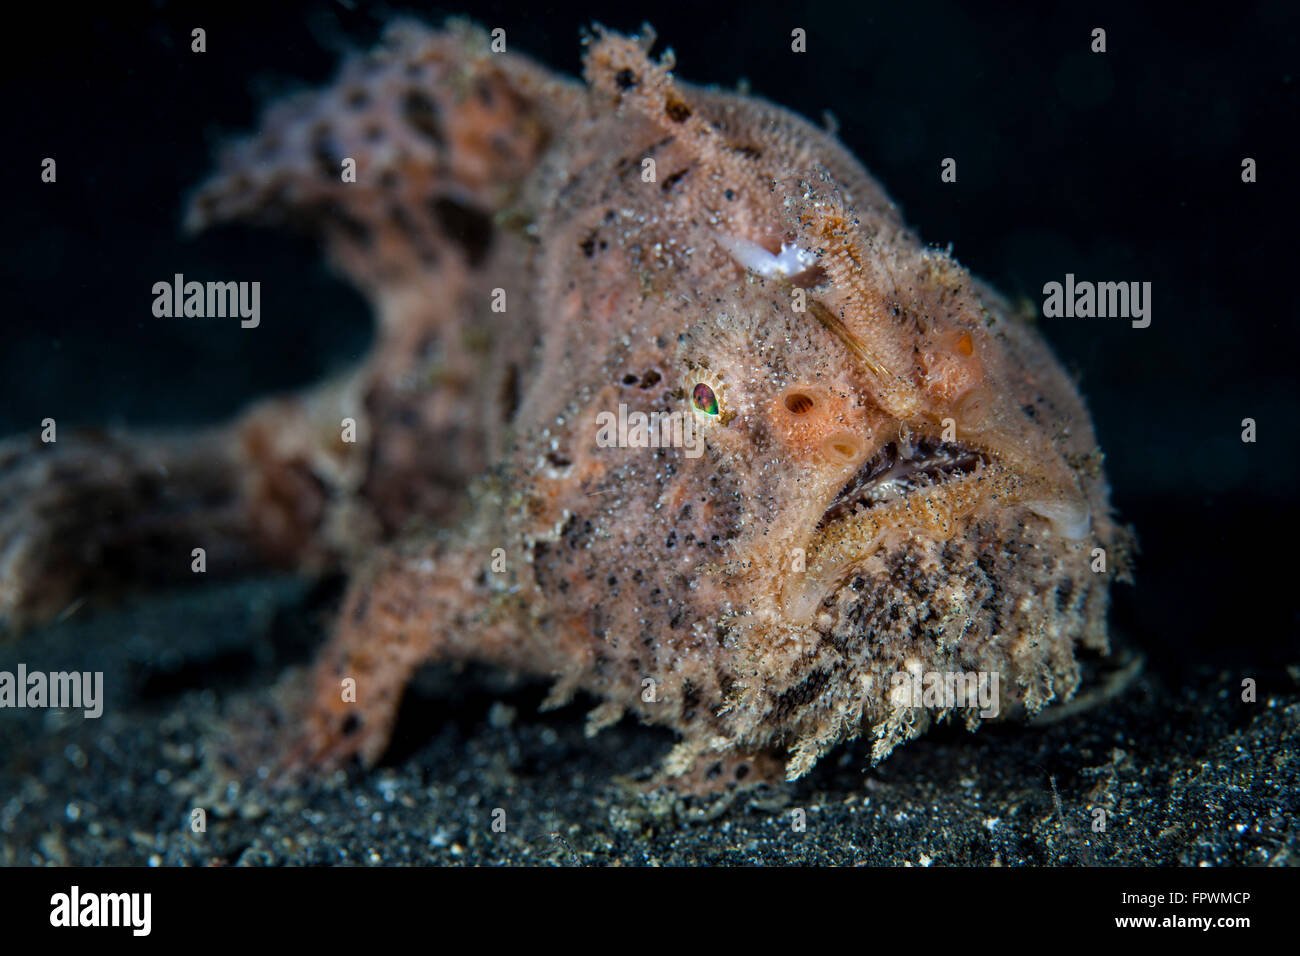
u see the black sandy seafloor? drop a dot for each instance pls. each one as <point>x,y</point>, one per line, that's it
<point>1186,775</point>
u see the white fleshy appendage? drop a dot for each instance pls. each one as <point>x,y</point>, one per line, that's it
<point>789,261</point>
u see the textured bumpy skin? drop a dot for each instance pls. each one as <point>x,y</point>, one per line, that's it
<point>898,476</point>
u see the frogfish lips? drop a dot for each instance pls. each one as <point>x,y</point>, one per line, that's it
<point>917,487</point>
<point>900,468</point>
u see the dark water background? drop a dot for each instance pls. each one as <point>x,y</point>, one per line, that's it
<point>1123,166</point>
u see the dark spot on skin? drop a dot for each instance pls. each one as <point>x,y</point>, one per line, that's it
<point>714,771</point>
<point>413,233</point>
<point>510,392</point>
<point>1029,411</point>
<point>742,771</point>
<point>625,79</point>
<point>357,98</point>
<point>338,216</point>
<point>690,698</point>
<point>730,194</point>
<point>470,227</point>
<point>351,724</point>
<point>557,460</point>
<point>672,180</point>
<point>650,378</point>
<point>374,134</point>
<point>403,221</point>
<point>422,113</point>
<point>540,550</point>
<point>676,110</point>
<point>630,379</point>
<point>749,152</point>
<point>325,154</point>
<point>588,245</point>
<point>483,89</point>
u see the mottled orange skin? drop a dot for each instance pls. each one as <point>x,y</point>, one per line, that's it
<point>704,593</point>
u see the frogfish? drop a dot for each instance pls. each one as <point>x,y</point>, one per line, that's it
<point>844,469</point>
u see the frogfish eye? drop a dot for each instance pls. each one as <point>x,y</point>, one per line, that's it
<point>704,399</point>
